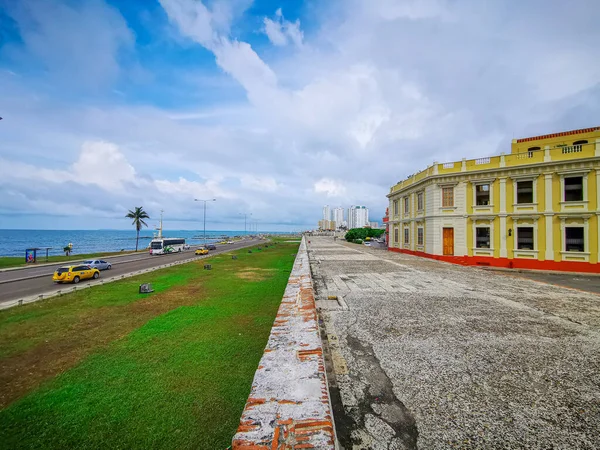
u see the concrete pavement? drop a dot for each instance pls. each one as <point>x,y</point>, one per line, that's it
<point>424,354</point>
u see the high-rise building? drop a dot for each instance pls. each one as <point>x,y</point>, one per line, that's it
<point>358,217</point>
<point>338,216</point>
<point>326,212</point>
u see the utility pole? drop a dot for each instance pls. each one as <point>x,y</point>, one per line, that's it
<point>204,216</point>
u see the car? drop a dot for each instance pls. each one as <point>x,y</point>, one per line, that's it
<point>186,246</point>
<point>201,251</point>
<point>229,242</point>
<point>211,246</point>
<point>74,274</point>
<point>98,264</point>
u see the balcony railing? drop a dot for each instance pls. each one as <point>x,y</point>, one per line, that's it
<point>503,161</point>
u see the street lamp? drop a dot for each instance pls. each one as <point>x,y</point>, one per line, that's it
<point>199,200</point>
<point>245,219</point>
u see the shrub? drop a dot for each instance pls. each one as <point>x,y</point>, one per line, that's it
<point>358,241</point>
<point>363,233</point>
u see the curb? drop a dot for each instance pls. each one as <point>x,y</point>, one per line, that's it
<point>545,272</point>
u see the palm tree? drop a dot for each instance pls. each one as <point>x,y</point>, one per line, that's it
<point>138,215</point>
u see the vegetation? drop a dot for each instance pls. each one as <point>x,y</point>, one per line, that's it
<point>110,368</point>
<point>138,215</point>
<point>360,234</point>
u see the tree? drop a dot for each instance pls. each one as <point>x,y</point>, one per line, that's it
<point>138,215</point>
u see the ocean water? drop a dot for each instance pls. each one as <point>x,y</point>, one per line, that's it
<point>15,242</point>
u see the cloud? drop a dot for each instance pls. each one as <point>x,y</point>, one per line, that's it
<point>377,91</point>
<point>281,32</point>
<point>83,41</point>
<point>330,188</point>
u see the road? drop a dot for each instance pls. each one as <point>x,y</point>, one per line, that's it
<point>17,284</point>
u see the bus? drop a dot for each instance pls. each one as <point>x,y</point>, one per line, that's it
<point>161,246</point>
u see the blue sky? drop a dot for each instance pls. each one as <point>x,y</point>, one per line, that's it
<point>274,108</point>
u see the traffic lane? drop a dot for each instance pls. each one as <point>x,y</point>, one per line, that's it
<point>25,288</point>
<point>34,271</point>
<point>16,275</point>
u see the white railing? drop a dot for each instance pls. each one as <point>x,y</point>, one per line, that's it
<point>571,149</point>
<point>479,161</point>
<point>525,155</point>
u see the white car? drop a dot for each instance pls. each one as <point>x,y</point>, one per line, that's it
<point>230,242</point>
<point>186,246</point>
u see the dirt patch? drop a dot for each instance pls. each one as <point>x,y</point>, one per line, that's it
<point>95,329</point>
<point>255,274</point>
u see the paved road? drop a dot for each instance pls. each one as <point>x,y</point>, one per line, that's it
<point>19,288</point>
<point>431,355</point>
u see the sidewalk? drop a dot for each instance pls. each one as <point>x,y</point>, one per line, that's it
<point>432,355</point>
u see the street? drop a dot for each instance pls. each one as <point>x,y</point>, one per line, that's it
<point>17,284</point>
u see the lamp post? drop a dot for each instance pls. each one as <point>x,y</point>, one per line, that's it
<point>245,221</point>
<point>199,200</point>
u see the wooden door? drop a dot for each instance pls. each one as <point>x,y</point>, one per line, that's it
<point>448,241</point>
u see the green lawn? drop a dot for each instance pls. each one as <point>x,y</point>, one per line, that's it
<point>18,261</point>
<point>171,370</point>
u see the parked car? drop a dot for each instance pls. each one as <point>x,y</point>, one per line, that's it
<point>201,251</point>
<point>98,264</point>
<point>186,246</point>
<point>229,242</point>
<point>74,274</point>
<point>211,246</point>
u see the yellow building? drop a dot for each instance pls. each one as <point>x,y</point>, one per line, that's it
<point>537,207</point>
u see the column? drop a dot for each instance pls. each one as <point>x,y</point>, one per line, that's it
<point>548,216</point>
<point>598,201</point>
<point>502,215</point>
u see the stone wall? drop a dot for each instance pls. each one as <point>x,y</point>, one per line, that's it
<point>289,405</point>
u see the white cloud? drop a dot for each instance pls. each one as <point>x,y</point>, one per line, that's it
<point>330,188</point>
<point>280,31</point>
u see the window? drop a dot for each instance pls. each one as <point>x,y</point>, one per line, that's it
<point>406,206</point>
<point>533,149</point>
<point>525,238</point>
<point>420,201</point>
<point>482,194</point>
<point>525,191</point>
<point>395,207</point>
<point>396,239</point>
<point>419,236</point>
<point>406,236</point>
<point>482,237</point>
<point>573,189</point>
<point>580,142</point>
<point>574,239</point>
<point>447,197</point>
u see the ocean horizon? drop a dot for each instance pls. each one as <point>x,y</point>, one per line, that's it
<point>14,242</point>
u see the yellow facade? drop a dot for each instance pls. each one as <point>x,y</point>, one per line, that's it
<point>538,204</point>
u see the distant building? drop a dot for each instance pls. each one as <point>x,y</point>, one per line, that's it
<point>374,224</point>
<point>535,208</point>
<point>338,216</point>
<point>326,212</point>
<point>326,225</point>
<point>358,217</point>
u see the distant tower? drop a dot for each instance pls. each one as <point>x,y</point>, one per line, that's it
<point>326,212</point>
<point>338,216</point>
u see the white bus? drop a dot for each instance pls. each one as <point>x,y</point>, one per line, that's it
<point>161,246</point>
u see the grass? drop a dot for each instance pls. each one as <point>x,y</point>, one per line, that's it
<point>17,261</point>
<point>171,370</point>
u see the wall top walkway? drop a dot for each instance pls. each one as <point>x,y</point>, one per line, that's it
<point>289,406</point>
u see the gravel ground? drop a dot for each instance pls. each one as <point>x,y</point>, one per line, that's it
<point>430,355</point>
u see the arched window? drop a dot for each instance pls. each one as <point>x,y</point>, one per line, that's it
<point>532,149</point>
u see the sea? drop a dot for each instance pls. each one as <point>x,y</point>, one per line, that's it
<point>15,242</point>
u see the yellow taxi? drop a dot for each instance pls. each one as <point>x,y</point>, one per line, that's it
<point>74,274</point>
<point>201,251</point>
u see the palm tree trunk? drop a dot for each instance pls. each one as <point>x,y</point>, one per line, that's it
<point>137,237</point>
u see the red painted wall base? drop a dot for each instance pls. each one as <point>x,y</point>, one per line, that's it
<point>563,266</point>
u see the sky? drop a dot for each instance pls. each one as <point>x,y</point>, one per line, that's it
<point>273,108</point>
